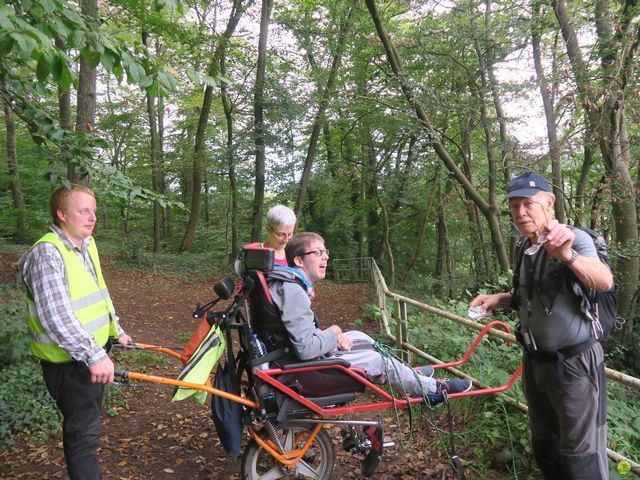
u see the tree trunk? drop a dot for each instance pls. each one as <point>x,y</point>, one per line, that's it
<point>606,117</point>
<point>480,255</point>
<point>405,174</point>
<point>444,262</point>
<point>549,113</point>
<point>14,175</point>
<point>155,159</point>
<point>386,240</point>
<point>396,64</point>
<point>86,105</point>
<point>162,175</point>
<point>64,113</point>
<point>374,244</point>
<point>422,228</point>
<point>362,230</point>
<point>331,161</point>
<point>231,161</point>
<point>506,145</point>
<point>488,133</point>
<point>587,162</point>
<point>441,240</point>
<point>258,122</point>
<point>198,151</point>
<point>318,122</point>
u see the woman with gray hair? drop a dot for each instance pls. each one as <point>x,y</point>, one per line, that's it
<point>281,221</point>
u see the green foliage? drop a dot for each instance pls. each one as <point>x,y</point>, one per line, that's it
<point>185,267</point>
<point>27,31</point>
<point>25,405</point>
<point>27,409</point>
<point>500,434</point>
<point>14,339</point>
<point>114,400</point>
<point>138,360</point>
<point>623,418</point>
<point>184,337</point>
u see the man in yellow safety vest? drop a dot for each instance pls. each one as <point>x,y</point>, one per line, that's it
<point>71,318</point>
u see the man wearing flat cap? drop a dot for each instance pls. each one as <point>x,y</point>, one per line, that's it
<point>563,378</point>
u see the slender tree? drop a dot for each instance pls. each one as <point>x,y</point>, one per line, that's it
<point>549,112</point>
<point>228,108</point>
<point>325,93</point>
<point>12,164</point>
<point>86,105</point>
<point>156,155</point>
<point>213,71</point>
<point>258,121</point>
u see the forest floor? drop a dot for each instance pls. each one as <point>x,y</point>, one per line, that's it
<point>150,437</point>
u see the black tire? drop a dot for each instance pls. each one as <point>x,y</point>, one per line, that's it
<point>317,463</point>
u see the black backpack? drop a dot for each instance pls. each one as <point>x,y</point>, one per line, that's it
<point>600,308</point>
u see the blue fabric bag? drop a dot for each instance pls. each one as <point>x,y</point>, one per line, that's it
<point>227,414</point>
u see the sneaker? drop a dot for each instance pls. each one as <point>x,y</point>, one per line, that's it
<point>449,386</point>
<point>426,371</point>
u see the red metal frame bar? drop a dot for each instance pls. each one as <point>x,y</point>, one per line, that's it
<point>270,377</point>
<point>495,323</point>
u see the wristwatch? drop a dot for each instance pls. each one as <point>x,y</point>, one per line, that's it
<point>574,255</point>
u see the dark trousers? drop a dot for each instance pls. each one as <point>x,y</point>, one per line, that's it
<point>567,414</point>
<point>80,403</point>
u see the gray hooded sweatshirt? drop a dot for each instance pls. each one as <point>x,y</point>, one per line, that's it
<point>294,304</point>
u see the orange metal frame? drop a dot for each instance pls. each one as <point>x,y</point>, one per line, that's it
<point>288,459</point>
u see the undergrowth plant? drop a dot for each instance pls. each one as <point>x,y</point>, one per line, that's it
<point>25,405</point>
<point>138,360</point>
<point>135,252</point>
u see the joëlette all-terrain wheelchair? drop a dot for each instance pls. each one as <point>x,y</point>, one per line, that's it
<point>281,402</point>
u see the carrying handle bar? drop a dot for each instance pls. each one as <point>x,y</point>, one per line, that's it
<point>495,323</point>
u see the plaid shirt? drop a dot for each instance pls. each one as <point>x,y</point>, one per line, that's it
<point>44,275</point>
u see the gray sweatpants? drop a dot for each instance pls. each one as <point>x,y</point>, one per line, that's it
<point>381,369</point>
<point>568,415</point>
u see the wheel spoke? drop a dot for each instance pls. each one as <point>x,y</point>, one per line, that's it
<point>307,471</point>
<point>276,473</point>
<point>288,440</point>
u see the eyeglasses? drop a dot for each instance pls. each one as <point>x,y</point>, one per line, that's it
<point>318,253</point>
<point>282,235</point>
<point>528,205</point>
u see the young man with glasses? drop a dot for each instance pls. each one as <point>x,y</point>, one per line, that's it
<point>292,290</point>
<point>563,378</point>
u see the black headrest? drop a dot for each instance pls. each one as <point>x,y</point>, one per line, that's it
<point>254,257</point>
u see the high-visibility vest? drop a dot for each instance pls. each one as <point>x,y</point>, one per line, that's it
<point>90,303</point>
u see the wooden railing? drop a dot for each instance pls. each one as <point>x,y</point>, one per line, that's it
<point>366,268</point>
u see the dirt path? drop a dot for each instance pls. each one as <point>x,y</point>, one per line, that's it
<point>152,438</point>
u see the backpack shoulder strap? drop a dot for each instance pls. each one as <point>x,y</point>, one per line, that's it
<point>516,261</point>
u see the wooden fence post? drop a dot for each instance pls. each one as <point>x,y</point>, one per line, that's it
<point>402,330</point>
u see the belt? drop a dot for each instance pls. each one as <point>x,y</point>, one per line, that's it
<point>559,357</point>
<point>561,354</point>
